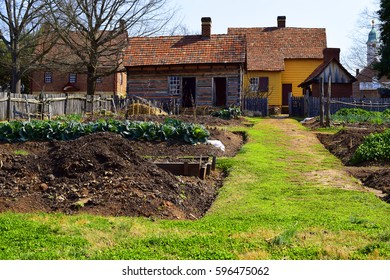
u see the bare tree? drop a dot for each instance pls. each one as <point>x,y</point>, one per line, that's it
<point>356,55</point>
<point>94,33</point>
<point>20,32</point>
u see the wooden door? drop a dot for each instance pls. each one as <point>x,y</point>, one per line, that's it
<point>220,92</point>
<point>286,89</point>
<point>189,94</point>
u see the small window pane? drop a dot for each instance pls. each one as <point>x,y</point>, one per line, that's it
<point>48,78</point>
<point>174,85</point>
<point>254,84</point>
<point>72,78</point>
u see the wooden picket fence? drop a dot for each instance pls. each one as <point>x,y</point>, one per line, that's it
<point>26,106</point>
<point>310,106</point>
<point>257,106</point>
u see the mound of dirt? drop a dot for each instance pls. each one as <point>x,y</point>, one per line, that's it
<point>344,144</point>
<point>101,174</point>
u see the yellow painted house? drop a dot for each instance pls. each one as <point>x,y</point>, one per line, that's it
<point>279,59</point>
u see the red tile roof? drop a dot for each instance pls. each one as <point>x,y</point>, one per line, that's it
<point>268,47</point>
<point>178,50</point>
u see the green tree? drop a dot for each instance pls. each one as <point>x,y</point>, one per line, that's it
<point>383,66</point>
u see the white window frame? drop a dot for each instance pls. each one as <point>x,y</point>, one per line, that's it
<point>174,84</point>
<point>254,84</point>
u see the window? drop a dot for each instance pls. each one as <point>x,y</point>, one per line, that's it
<point>72,78</point>
<point>263,84</point>
<point>174,85</point>
<point>99,80</point>
<point>254,84</point>
<point>48,78</point>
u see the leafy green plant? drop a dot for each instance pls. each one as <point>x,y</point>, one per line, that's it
<point>357,115</point>
<point>70,117</point>
<point>229,113</point>
<point>376,147</point>
<point>57,130</point>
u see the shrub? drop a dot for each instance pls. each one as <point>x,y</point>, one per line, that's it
<point>227,114</point>
<point>376,147</point>
<point>357,115</point>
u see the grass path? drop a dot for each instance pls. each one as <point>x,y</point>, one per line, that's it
<point>286,198</point>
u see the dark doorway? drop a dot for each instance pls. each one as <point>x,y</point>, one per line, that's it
<point>286,89</point>
<point>220,92</point>
<point>189,96</point>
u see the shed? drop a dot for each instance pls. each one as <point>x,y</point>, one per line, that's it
<point>341,79</point>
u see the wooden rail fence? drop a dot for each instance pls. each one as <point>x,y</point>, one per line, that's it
<point>26,106</point>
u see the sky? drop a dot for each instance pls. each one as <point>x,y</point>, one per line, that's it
<point>339,17</point>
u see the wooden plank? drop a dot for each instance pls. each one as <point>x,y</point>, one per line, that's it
<point>177,168</point>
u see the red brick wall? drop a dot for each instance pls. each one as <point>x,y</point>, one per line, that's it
<point>59,80</point>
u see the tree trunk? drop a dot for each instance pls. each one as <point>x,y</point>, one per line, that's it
<point>91,85</point>
<point>16,77</point>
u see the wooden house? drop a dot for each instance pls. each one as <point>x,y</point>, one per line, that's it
<point>202,70</point>
<point>331,68</point>
<point>280,58</point>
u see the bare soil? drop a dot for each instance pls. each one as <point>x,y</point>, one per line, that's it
<point>106,174</point>
<point>343,145</point>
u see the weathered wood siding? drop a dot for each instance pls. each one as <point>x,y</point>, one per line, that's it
<point>338,75</point>
<point>233,89</point>
<point>153,82</point>
<point>204,91</point>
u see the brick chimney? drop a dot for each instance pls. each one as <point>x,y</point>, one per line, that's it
<point>330,53</point>
<point>281,21</point>
<point>206,27</point>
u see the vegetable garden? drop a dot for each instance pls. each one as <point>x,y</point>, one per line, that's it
<point>363,144</point>
<point>107,166</point>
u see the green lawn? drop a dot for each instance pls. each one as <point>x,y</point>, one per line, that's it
<point>269,208</point>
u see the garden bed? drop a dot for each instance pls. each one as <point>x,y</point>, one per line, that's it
<point>106,174</point>
<point>343,144</point>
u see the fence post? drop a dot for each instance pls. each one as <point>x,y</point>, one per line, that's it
<point>306,104</point>
<point>322,109</point>
<point>66,103</point>
<point>328,101</point>
<point>42,105</point>
<point>9,107</point>
<point>27,107</point>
